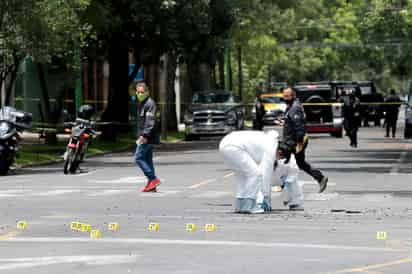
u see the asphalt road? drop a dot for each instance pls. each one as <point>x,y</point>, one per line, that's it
<point>369,191</point>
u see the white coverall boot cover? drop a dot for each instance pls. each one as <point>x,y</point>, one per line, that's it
<point>251,155</point>
<point>287,175</point>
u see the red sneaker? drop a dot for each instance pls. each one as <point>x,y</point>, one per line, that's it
<point>151,185</point>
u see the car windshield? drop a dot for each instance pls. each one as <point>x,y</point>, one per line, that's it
<point>273,100</point>
<point>212,98</point>
<point>366,90</point>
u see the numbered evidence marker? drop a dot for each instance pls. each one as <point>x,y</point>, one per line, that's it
<point>75,226</point>
<point>191,227</point>
<point>210,227</point>
<point>114,227</point>
<point>22,225</point>
<point>80,227</point>
<point>381,235</point>
<point>154,227</point>
<point>95,234</point>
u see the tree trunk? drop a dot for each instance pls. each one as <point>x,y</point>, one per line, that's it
<point>117,111</point>
<point>163,94</point>
<point>49,119</point>
<point>240,72</point>
<point>221,64</point>
<point>199,76</point>
<point>171,93</point>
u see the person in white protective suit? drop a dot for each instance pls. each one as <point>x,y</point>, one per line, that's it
<point>286,175</point>
<point>251,155</point>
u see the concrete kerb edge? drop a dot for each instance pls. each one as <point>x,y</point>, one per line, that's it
<point>92,155</point>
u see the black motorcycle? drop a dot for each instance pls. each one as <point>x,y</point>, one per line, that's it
<point>81,136</point>
<point>12,123</point>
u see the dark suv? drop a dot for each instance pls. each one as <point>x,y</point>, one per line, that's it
<point>323,112</point>
<point>370,99</point>
<point>214,112</point>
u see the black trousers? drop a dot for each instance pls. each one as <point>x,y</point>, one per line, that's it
<point>353,135</point>
<point>303,165</point>
<point>391,126</point>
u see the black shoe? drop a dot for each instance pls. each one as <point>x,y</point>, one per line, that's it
<point>296,208</point>
<point>323,184</point>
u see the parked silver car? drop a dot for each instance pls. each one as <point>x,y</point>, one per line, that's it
<point>215,112</point>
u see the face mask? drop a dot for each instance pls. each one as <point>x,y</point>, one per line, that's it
<point>142,96</point>
<point>290,101</point>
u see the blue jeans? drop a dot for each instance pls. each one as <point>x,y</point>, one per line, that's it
<point>144,159</point>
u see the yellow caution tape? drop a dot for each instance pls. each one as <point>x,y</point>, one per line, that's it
<point>154,227</point>
<point>210,227</point>
<point>191,227</point>
<point>114,227</point>
<point>22,225</point>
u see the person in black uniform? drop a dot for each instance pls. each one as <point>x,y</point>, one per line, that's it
<point>392,111</point>
<point>352,117</point>
<point>295,137</point>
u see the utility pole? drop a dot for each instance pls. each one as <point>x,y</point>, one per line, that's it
<point>229,80</point>
<point>78,88</point>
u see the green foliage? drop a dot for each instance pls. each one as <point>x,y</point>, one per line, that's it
<point>308,40</point>
<point>40,29</point>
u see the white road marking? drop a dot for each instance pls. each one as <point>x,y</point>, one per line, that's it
<point>229,175</point>
<point>19,263</point>
<point>201,243</point>
<point>161,193</point>
<point>54,192</point>
<point>11,193</point>
<point>109,192</point>
<point>202,184</point>
<point>86,173</point>
<point>315,183</point>
<point>212,194</point>
<point>123,180</point>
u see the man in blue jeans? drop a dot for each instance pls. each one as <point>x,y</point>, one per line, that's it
<point>147,136</point>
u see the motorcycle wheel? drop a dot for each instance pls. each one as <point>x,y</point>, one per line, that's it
<point>68,161</point>
<point>4,166</point>
<point>75,162</point>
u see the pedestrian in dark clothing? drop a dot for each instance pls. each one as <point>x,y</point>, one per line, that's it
<point>295,137</point>
<point>392,110</point>
<point>352,117</point>
<point>260,113</point>
<point>147,136</point>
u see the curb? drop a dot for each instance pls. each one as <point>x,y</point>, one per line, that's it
<point>92,155</point>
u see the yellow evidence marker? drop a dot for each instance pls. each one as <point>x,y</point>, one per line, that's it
<point>114,226</point>
<point>381,235</point>
<point>95,234</point>
<point>75,225</point>
<point>154,227</point>
<point>22,225</point>
<point>210,227</point>
<point>191,227</point>
<point>86,228</point>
